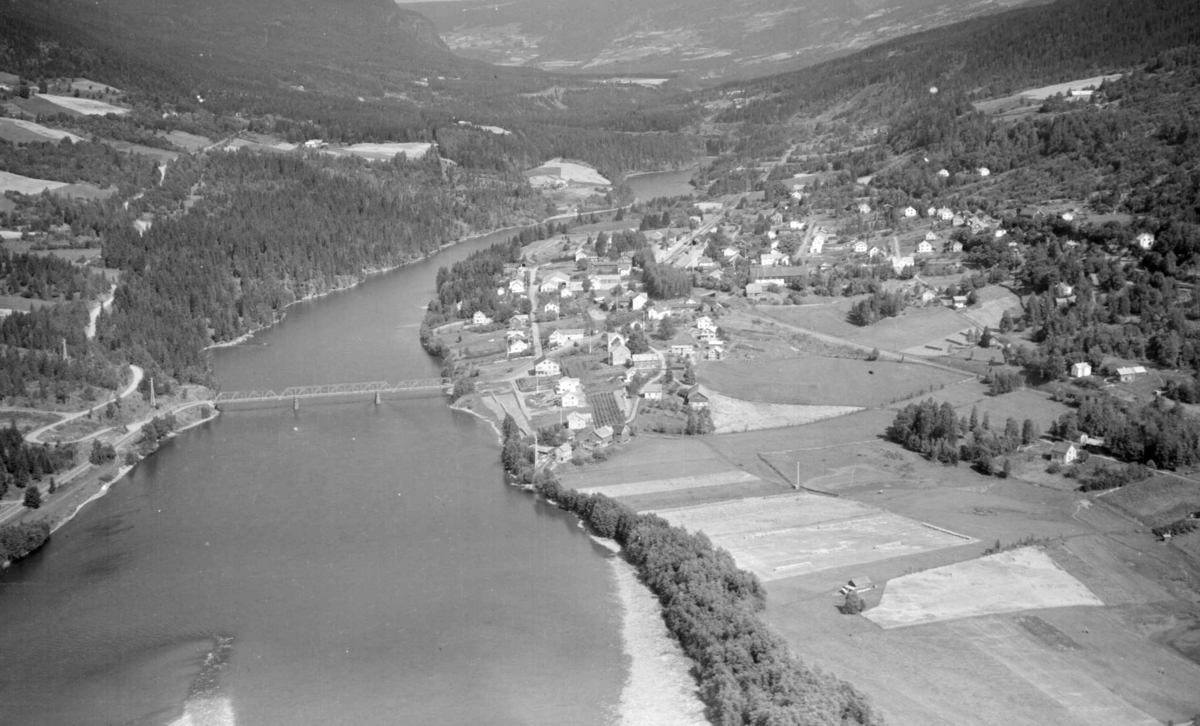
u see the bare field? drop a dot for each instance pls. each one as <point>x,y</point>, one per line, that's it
<point>703,495</point>
<point>1159,500</point>
<point>915,326</point>
<point>667,485</point>
<point>85,106</point>
<point>795,534</point>
<point>733,414</point>
<point>823,381</point>
<point>1021,579</point>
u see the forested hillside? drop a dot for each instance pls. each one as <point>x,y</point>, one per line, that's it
<point>979,58</point>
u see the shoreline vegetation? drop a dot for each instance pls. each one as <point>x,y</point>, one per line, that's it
<point>746,674</point>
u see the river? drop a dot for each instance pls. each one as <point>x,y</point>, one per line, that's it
<point>344,564</point>
<point>655,184</point>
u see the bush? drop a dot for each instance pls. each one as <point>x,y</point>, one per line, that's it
<point>18,540</point>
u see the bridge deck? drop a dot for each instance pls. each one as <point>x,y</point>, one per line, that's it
<point>333,389</point>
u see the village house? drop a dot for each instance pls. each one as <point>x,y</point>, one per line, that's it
<point>562,336</point>
<point>611,340</point>
<point>566,293</point>
<point>909,212</point>
<point>619,356</point>
<point>695,398</point>
<point>581,254</point>
<point>656,313</point>
<point>956,247</point>
<point>516,333</point>
<point>705,323</point>
<point>683,350</point>
<point>644,361</point>
<point>577,420</point>
<point>945,214</point>
<point>924,248</point>
<point>600,437</point>
<point>550,308</point>
<point>567,385</point>
<point>1145,240</point>
<point>562,452</point>
<point>957,220</point>
<point>943,173</point>
<point>573,399</point>
<point>731,253</point>
<point>652,392</point>
<point>795,224</point>
<point>874,252</point>
<point>638,301</point>
<point>518,346</point>
<point>864,208</point>
<point>958,301</point>
<point>546,367</point>
<point>984,171</point>
<point>1081,370</point>
<point>1064,452</point>
<point>480,318</point>
<point>859,246</point>
<point>899,263</point>
<point>516,287</point>
<point>604,282</point>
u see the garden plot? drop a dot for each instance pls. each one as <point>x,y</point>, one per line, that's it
<point>1022,579</point>
<point>733,414</point>
<point>796,534</point>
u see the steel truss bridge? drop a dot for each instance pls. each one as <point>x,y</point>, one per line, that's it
<point>295,393</point>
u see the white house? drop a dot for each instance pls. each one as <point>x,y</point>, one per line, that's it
<point>874,252</point>
<point>1128,374</point>
<point>1081,370</point>
<point>517,346</point>
<point>656,313</point>
<point>550,308</point>
<point>1064,452</point>
<point>611,340</point>
<point>645,361</point>
<point>516,287</point>
<point>984,171</point>
<point>639,301</point>
<point>577,420</point>
<point>956,247</point>
<point>931,237</point>
<point>899,263</point>
<point>909,212</point>
<point>619,356</point>
<point>730,253</point>
<point>546,367</point>
<point>924,248</point>
<point>562,336</point>
<point>581,254</point>
<point>566,293</point>
<point>573,399</point>
<point>943,173</point>
<point>705,323</point>
<point>945,214</point>
<point>795,224</point>
<point>568,385</point>
<point>480,318</point>
<point>1068,216</point>
<point>1145,240</point>
<point>999,233</point>
<point>683,350</point>
<point>859,246</point>
<point>652,391</point>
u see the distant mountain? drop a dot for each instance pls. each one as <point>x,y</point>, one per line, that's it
<point>324,44</point>
<point>695,38</point>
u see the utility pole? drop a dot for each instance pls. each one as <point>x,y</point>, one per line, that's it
<point>153,403</point>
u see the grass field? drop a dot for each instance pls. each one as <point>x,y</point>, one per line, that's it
<point>85,106</point>
<point>26,185</point>
<point>796,534</point>
<point>823,381</point>
<point>191,142</point>
<point>1021,579</point>
<point>1156,501</point>
<point>18,131</point>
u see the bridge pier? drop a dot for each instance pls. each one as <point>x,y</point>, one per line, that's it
<point>296,404</point>
<point>378,398</point>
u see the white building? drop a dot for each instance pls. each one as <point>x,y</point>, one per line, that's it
<point>546,367</point>
<point>1081,370</point>
<point>1145,240</point>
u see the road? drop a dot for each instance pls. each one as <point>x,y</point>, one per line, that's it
<point>34,437</point>
<point>533,311</point>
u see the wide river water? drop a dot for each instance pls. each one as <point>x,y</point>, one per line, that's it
<point>344,564</point>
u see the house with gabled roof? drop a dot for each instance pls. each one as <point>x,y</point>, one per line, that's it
<point>546,367</point>
<point>577,420</point>
<point>563,336</point>
<point>480,318</point>
<point>619,356</point>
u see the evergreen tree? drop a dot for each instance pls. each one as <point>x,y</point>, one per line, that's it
<point>33,497</point>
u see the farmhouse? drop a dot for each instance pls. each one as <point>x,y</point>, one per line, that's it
<point>1128,374</point>
<point>563,336</point>
<point>602,436</point>
<point>562,452</point>
<point>568,385</point>
<point>1082,369</point>
<point>695,398</point>
<point>686,349</point>
<point>517,346</point>
<point>546,367</point>
<point>574,399</point>
<point>1064,452</point>
<point>519,320</point>
<point>924,248</point>
<point>652,392</point>
<point>480,318</point>
<point>958,301</point>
